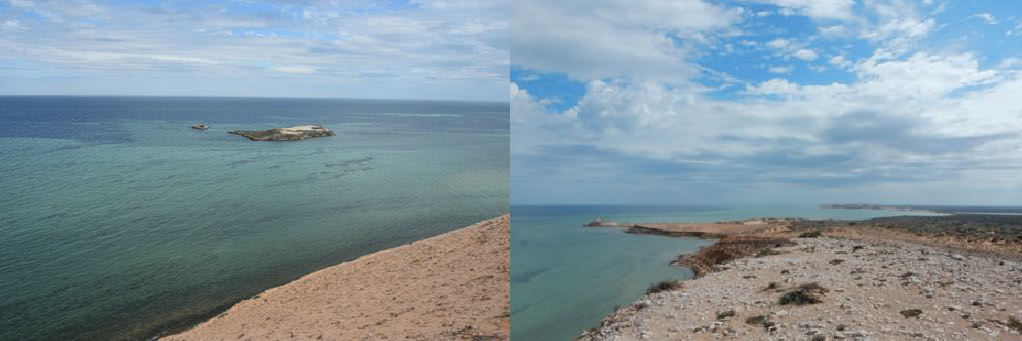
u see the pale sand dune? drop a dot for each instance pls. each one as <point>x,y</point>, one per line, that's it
<point>449,287</point>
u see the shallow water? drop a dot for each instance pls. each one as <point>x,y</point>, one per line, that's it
<point>120,221</point>
<point>565,277</point>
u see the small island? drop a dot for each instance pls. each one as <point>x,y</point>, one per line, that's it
<point>285,134</point>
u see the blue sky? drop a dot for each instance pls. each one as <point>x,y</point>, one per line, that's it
<point>759,101</point>
<point>354,49</point>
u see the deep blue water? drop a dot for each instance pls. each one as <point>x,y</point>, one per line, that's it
<point>119,221</point>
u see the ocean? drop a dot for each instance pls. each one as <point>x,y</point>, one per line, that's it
<point>566,277</point>
<point>119,221</point>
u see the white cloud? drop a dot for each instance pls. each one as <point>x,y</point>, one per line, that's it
<point>807,55</point>
<point>20,3</point>
<point>922,75</point>
<point>11,25</point>
<point>1016,31</point>
<point>779,43</point>
<point>817,9</point>
<point>774,86</point>
<point>897,116</point>
<point>835,30</point>
<point>989,18</point>
<point>780,69</point>
<point>295,69</point>
<point>442,50</point>
<point>895,25</point>
<point>615,39</point>
<point>533,127</point>
<point>840,61</point>
<point>1010,63</point>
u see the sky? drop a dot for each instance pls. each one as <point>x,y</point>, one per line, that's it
<point>766,101</point>
<point>414,49</point>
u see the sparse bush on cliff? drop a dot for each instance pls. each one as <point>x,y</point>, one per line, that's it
<point>812,234</point>
<point>761,320</point>
<point>911,313</point>
<point>664,286</point>
<point>809,293</point>
<point>769,252</point>
<point>1014,323</point>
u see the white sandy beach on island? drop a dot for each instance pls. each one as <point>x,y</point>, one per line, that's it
<point>455,286</point>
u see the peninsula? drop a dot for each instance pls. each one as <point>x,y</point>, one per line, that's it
<point>909,277</point>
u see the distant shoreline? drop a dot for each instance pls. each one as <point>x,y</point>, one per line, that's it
<point>931,209</point>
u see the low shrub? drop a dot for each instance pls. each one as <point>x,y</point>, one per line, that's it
<point>812,234</point>
<point>911,313</point>
<point>664,286</point>
<point>809,293</point>
<point>1014,323</point>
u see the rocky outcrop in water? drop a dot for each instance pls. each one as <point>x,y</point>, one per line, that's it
<point>285,134</point>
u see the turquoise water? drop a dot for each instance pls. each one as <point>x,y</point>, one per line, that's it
<point>565,277</point>
<point>119,221</point>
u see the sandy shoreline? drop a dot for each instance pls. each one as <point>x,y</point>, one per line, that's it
<point>872,285</point>
<point>452,286</point>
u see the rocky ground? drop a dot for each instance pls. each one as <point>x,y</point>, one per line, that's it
<point>835,288</point>
<point>455,286</point>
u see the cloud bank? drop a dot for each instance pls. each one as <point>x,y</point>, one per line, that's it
<point>366,49</point>
<point>765,101</point>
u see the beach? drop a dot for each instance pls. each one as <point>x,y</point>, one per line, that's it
<point>851,282</point>
<point>452,286</point>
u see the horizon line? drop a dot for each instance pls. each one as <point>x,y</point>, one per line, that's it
<point>719,204</point>
<point>508,102</point>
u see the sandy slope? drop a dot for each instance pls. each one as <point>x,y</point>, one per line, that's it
<point>449,287</point>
